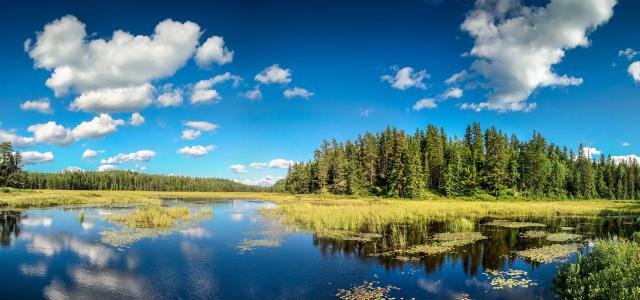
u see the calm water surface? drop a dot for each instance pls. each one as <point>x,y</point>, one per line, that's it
<point>53,253</point>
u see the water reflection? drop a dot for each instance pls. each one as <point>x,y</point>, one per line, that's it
<point>59,255</point>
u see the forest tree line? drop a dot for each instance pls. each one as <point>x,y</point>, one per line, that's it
<point>12,175</point>
<point>395,164</point>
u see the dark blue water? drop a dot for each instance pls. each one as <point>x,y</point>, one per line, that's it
<point>54,253</point>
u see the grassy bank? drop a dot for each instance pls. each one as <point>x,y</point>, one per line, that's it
<point>372,215</point>
<point>327,212</point>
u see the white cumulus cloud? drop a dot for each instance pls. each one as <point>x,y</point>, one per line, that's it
<point>406,78</point>
<point>238,168</point>
<point>274,74</point>
<point>136,119</point>
<point>42,105</point>
<point>213,50</point>
<point>104,168</point>
<point>195,151</point>
<point>111,75</point>
<point>138,156</point>
<point>89,153</point>
<point>108,100</point>
<point>254,94</point>
<point>16,140</point>
<point>634,71</point>
<point>516,46</point>
<point>589,152</point>
<point>454,92</point>
<point>203,92</point>
<point>190,134</point>
<point>297,92</point>
<point>268,180</point>
<point>169,96</point>
<point>35,157</point>
<point>628,53</point>
<point>98,127</point>
<point>52,133</point>
<point>202,125</point>
<point>259,165</point>
<point>425,103</point>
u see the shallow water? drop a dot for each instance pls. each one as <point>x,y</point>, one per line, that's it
<point>237,254</point>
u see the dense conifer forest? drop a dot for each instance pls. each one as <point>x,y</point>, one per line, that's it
<point>131,181</point>
<point>396,164</point>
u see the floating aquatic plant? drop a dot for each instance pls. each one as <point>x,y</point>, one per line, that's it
<point>549,253</point>
<point>508,279</point>
<point>514,224</point>
<point>248,245</point>
<point>348,235</point>
<point>440,243</point>
<point>366,290</point>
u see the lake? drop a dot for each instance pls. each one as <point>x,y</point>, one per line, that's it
<point>236,253</point>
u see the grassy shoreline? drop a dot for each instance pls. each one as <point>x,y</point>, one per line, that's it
<point>330,212</point>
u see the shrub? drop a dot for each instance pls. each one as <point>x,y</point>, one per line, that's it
<point>611,271</point>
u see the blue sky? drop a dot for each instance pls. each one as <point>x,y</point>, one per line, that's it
<point>349,59</point>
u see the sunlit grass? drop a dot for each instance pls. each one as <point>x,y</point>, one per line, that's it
<point>152,217</point>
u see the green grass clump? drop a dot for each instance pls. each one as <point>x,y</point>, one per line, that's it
<point>367,290</point>
<point>610,271</point>
<point>152,217</point>
<point>549,253</point>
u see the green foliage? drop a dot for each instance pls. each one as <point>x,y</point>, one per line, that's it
<point>132,181</point>
<point>487,165</point>
<point>611,271</point>
<point>11,174</point>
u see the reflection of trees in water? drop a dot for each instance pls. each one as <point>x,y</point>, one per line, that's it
<point>10,226</point>
<point>492,253</point>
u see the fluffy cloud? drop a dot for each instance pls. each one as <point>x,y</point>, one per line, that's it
<point>452,93</point>
<point>254,94</point>
<point>259,165</point>
<point>274,74</point>
<point>516,46</point>
<point>406,78</point>
<point>42,105</point>
<point>297,92</point>
<point>195,151</point>
<point>268,180</point>
<point>190,134</point>
<point>35,157</point>
<point>51,133</point>
<point>634,71</point>
<point>136,119</point>
<point>203,92</point>
<point>169,96</point>
<point>85,64</point>
<point>138,156</point>
<point>628,53</point>
<point>15,140</point>
<point>426,103</point>
<point>202,125</point>
<point>90,153</point>
<point>238,168</point>
<point>626,144</point>
<point>73,169</point>
<point>626,158</point>
<point>213,50</point>
<point>98,127</point>
<point>104,168</point>
<point>278,163</point>
<point>109,100</point>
